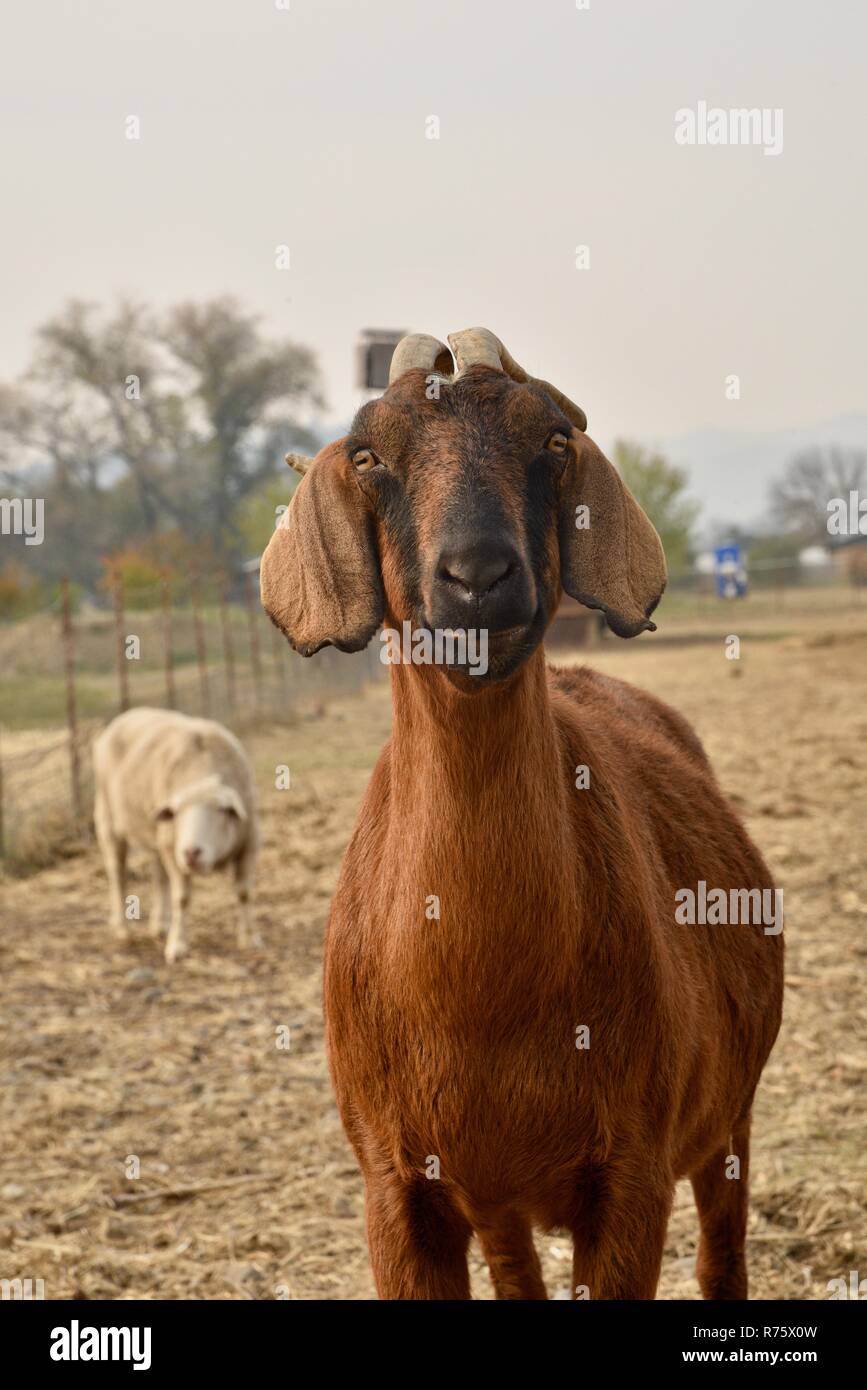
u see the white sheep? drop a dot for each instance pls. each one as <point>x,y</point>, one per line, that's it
<point>181,788</point>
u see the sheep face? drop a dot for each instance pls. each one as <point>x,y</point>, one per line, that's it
<point>460,503</point>
<point>205,824</point>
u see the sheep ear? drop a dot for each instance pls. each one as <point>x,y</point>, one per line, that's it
<point>229,800</point>
<point>319,577</point>
<point>610,555</point>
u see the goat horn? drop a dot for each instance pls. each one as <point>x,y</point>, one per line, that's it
<point>420,350</point>
<point>300,462</point>
<point>480,347</point>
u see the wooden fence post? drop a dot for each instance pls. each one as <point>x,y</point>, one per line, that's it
<point>228,653</point>
<point>250,604</point>
<point>201,654</point>
<point>277,640</point>
<point>71,713</point>
<point>167,644</point>
<point>120,638</point>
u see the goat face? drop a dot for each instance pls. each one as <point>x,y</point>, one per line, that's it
<point>454,504</point>
<point>463,490</point>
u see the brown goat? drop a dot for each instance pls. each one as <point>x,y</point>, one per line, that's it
<point>492,904</point>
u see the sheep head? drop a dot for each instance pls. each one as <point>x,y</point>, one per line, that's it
<point>204,823</point>
<point>467,496</point>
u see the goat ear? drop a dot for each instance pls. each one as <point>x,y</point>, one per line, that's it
<point>610,555</point>
<point>319,577</point>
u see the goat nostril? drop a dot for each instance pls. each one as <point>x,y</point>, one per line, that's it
<point>476,576</point>
<point>450,577</point>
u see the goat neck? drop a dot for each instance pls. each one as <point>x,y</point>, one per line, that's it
<point>478,807</point>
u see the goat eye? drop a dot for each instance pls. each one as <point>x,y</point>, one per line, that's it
<point>558,443</point>
<point>364,461</point>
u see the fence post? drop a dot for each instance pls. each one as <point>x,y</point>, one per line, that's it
<point>120,636</point>
<point>71,714</point>
<point>167,643</point>
<point>250,604</point>
<point>277,641</point>
<point>228,653</point>
<point>201,654</point>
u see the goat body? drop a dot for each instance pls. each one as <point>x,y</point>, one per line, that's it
<point>453,1037</point>
<point>521,1030</point>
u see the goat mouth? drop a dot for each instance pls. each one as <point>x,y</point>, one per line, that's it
<point>503,653</point>
<point>474,634</point>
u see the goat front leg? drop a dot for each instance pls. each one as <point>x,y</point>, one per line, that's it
<point>417,1241</point>
<point>243,870</point>
<point>176,942</point>
<point>619,1235</point>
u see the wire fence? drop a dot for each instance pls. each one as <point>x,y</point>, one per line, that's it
<point>203,645</point>
<point>201,648</point>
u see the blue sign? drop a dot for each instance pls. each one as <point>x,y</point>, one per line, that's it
<point>730,571</point>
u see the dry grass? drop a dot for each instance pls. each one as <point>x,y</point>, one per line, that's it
<point>247,1187</point>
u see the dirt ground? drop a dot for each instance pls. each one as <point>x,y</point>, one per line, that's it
<point>246,1187</point>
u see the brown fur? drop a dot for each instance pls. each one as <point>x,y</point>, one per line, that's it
<point>454,1038</point>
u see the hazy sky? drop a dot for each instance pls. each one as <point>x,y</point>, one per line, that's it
<point>307,126</point>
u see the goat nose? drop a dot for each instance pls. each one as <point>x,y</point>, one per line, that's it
<point>476,569</point>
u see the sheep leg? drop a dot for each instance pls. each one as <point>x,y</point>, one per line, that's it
<point>181,888</point>
<point>722,1203</point>
<point>417,1241</point>
<point>619,1235</point>
<point>160,906</point>
<point>508,1248</point>
<point>243,869</point>
<point>114,853</point>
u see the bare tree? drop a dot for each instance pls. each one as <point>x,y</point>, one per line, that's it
<point>799,499</point>
<point>175,419</point>
<point>245,391</point>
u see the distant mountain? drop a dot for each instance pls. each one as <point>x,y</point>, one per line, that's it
<point>730,471</point>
